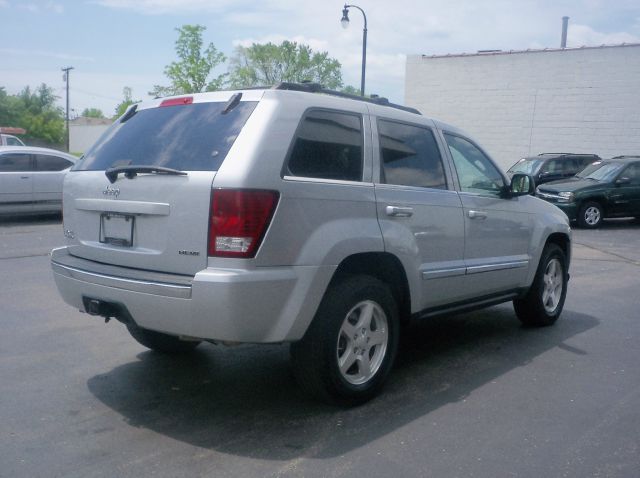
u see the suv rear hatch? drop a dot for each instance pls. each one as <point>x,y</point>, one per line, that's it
<point>151,209</point>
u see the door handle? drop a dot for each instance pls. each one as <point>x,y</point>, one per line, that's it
<point>398,211</point>
<point>476,214</point>
<point>24,177</point>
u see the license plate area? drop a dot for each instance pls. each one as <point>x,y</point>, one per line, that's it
<point>117,229</point>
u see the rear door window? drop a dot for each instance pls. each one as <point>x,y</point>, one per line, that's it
<point>410,156</point>
<point>194,137</point>
<point>328,145</point>
<point>555,166</point>
<point>584,162</point>
<point>571,167</point>
<point>46,162</point>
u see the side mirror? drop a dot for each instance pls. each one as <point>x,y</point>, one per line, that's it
<point>521,185</point>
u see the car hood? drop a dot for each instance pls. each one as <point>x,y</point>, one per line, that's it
<point>572,185</point>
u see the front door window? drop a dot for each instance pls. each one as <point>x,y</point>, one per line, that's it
<point>476,172</point>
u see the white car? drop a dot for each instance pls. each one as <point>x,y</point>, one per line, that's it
<point>10,140</point>
<point>31,179</point>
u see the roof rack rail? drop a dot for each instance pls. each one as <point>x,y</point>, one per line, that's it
<point>625,156</point>
<point>569,154</point>
<point>543,154</point>
<point>318,88</point>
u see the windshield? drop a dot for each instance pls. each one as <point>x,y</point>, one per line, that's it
<point>589,169</point>
<point>526,166</point>
<point>195,137</point>
<point>605,172</point>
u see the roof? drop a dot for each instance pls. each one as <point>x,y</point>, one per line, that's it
<point>317,88</point>
<point>625,158</point>
<point>12,130</point>
<point>37,150</point>
<point>529,50</point>
<point>255,94</point>
<point>562,155</point>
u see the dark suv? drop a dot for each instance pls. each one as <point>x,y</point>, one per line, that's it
<point>608,188</point>
<point>547,167</point>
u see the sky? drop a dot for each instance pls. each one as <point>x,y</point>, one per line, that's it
<point>112,44</point>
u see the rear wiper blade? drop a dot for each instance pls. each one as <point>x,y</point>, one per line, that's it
<point>131,172</point>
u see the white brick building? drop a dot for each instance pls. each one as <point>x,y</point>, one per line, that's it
<point>521,103</point>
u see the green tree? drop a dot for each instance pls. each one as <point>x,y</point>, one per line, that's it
<point>192,72</point>
<point>127,92</point>
<point>40,101</point>
<point>351,90</point>
<point>268,64</point>
<point>11,109</point>
<point>92,113</point>
<point>34,111</point>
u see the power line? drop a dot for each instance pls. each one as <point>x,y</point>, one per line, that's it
<point>96,95</point>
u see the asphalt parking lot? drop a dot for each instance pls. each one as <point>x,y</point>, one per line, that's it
<point>474,395</point>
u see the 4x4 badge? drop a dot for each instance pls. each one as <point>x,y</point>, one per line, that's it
<point>109,191</point>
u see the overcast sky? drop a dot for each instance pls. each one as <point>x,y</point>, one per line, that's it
<point>117,43</point>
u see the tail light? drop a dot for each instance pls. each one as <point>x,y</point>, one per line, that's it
<point>238,220</point>
<point>183,100</point>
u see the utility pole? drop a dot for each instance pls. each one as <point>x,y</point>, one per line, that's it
<point>66,79</point>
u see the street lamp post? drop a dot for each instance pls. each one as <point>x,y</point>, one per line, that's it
<point>345,24</point>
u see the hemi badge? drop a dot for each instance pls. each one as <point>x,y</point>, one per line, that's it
<point>189,253</point>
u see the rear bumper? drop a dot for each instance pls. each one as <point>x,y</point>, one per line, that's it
<point>261,305</point>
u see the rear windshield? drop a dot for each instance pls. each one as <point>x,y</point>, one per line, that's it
<point>195,137</point>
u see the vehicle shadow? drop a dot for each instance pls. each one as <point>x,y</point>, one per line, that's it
<point>40,219</point>
<point>617,223</point>
<point>244,401</point>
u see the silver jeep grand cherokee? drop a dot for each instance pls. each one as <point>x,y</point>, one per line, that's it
<point>296,214</point>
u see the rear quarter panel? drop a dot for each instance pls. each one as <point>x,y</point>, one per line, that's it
<point>317,222</point>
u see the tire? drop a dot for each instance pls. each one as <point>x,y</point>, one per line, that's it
<point>545,299</point>
<point>159,342</point>
<point>590,215</point>
<point>356,324</point>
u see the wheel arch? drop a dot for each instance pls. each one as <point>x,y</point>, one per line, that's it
<point>385,267</point>
<point>563,241</point>
<point>600,199</point>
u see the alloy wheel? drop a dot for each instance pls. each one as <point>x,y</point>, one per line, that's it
<point>553,283</point>
<point>362,342</point>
